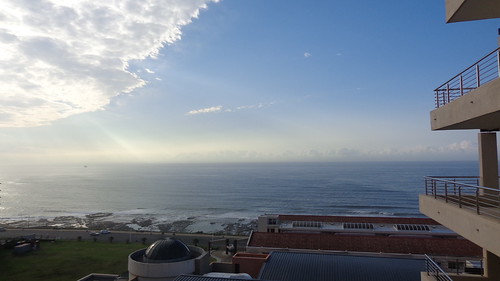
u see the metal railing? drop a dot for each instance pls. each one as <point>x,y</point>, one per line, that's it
<point>480,73</point>
<point>466,193</point>
<point>433,269</point>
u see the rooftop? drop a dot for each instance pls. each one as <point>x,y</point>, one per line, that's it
<point>366,243</point>
<point>205,278</point>
<point>286,266</point>
<point>393,220</point>
<point>373,225</point>
<point>167,250</point>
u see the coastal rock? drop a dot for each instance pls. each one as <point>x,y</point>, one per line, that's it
<point>98,215</point>
<point>240,227</point>
<point>99,221</point>
<point>143,222</point>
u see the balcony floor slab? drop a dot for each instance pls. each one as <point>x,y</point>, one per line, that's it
<point>479,109</point>
<point>482,230</point>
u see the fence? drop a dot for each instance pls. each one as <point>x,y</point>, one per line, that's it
<point>466,193</point>
<point>433,269</point>
<point>480,73</point>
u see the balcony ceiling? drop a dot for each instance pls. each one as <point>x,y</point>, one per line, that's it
<point>466,10</point>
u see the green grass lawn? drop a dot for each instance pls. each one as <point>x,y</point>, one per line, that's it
<point>66,260</point>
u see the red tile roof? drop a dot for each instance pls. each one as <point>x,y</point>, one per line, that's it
<point>367,243</point>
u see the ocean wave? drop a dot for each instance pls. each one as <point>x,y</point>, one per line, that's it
<point>172,198</point>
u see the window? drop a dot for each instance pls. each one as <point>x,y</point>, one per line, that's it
<point>412,227</point>
<point>307,224</point>
<point>272,221</point>
<point>358,225</point>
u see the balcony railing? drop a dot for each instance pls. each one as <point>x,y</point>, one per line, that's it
<point>433,269</point>
<point>480,73</point>
<point>465,192</point>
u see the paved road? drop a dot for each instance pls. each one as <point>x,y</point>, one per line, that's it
<point>123,236</point>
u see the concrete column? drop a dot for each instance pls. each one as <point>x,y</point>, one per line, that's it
<point>488,159</point>
<point>491,264</point>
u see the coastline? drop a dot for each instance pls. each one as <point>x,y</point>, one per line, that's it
<point>98,221</point>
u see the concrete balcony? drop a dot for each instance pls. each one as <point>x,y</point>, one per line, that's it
<point>466,10</point>
<point>471,99</point>
<point>479,109</point>
<point>435,272</point>
<point>471,211</point>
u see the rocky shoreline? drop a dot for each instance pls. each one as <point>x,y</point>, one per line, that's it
<point>105,221</point>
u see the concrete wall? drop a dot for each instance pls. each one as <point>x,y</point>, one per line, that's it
<point>250,263</point>
<point>159,271</point>
<point>479,109</point>
<point>263,223</point>
<point>481,230</point>
<point>202,264</point>
<point>167,270</point>
<point>222,267</point>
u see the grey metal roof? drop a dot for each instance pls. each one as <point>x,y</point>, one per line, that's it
<point>205,278</point>
<point>289,266</point>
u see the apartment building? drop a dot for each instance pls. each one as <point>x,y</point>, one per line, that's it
<point>469,101</point>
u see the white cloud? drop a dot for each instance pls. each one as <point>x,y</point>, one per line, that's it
<point>462,146</point>
<point>64,57</point>
<point>220,108</point>
<point>149,70</point>
<point>258,106</point>
<point>307,55</point>
<point>205,110</point>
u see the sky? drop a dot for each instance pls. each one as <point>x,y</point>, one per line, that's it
<point>157,81</point>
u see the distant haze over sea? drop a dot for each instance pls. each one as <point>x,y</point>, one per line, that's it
<point>210,197</point>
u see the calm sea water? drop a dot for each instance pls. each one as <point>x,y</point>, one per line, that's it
<point>210,195</point>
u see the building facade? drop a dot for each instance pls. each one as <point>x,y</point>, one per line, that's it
<point>400,237</point>
<point>470,101</point>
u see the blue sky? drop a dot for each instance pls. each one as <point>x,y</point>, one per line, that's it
<point>232,81</point>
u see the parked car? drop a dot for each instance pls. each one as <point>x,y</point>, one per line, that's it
<point>94,234</point>
<point>105,231</point>
<point>2,229</point>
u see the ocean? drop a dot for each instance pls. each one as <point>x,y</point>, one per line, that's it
<point>210,197</point>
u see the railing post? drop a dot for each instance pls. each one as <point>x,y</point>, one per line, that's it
<point>477,201</point>
<point>446,192</point>
<point>434,188</point>
<point>461,86</point>
<point>447,93</point>
<point>482,268</point>
<point>478,76</point>
<point>460,196</point>
<point>498,62</point>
